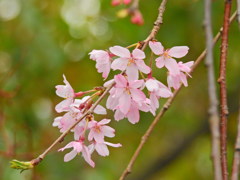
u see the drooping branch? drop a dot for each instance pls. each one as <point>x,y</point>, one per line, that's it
<point>165,108</point>
<point>30,164</point>
<point>236,158</point>
<point>223,90</point>
<point>213,102</point>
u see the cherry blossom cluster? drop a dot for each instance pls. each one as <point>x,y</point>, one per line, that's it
<point>133,89</point>
<point>132,11</point>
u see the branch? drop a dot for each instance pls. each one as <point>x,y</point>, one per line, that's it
<point>238,12</point>
<point>141,45</point>
<point>165,108</point>
<point>236,159</point>
<point>165,160</point>
<point>213,107</point>
<point>223,90</point>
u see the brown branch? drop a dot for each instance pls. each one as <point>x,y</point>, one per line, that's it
<point>236,158</point>
<point>213,107</point>
<point>157,24</point>
<point>223,90</point>
<point>164,109</point>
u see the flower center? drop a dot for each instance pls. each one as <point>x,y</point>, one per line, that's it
<point>130,61</point>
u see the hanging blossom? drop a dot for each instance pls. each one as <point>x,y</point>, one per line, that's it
<point>103,59</point>
<point>126,97</point>
<point>131,62</point>
<point>88,133</point>
<point>166,56</point>
<point>157,90</point>
<point>175,80</point>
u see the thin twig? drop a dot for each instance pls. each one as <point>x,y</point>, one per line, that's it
<point>157,24</point>
<point>236,159</point>
<point>223,90</point>
<point>61,137</point>
<point>213,107</point>
<point>165,108</point>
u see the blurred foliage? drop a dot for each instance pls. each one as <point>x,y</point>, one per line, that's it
<point>41,40</point>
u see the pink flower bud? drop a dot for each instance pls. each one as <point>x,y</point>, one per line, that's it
<point>116,2</point>
<point>126,1</point>
<point>137,18</point>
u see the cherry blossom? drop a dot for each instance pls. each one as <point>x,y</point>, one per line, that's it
<point>131,62</point>
<point>101,147</point>
<point>166,56</point>
<point>103,61</point>
<point>65,91</point>
<point>157,90</point>
<point>99,129</point>
<point>78,146</point>
<point>175,80</point>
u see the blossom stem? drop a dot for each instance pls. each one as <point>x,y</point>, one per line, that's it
<point>165,108</point>
<point>132,45</point>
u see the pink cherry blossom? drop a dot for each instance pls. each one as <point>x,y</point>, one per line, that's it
<point>65,91</point>
<point>157,90</point>
<point>98,130</point>
<point>166,56</point>
<point>127,91</point>
<point>103,61</point>
<point>101,147</point>
<point>78,146</point>
<point>176,80</point>
<point>131,62</point>
<point>133,113</point>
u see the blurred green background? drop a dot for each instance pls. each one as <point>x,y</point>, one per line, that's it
<point>41,40</point>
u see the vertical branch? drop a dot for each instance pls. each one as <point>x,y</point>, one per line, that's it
<point>238,12</point>
<point>213,107</point>
<point>223,90</point>
<point>236,158</point>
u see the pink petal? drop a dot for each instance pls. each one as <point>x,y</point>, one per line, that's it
<point>156,47</point>
<point>118,115</point>
<point>137,95</point>
<point>108,131</point>
<point>184,79</point>
<point>132,72</point>
<point>104,121</point>
<point>120,80</point>
<point>120,51</point>
<point>172,66</point>
<point>142,66</point>
<point>164,92</point>
<point>100,110</point>
<point>138,54</point>
<point>98,136</point>
<point>178,51</point>
<point>87,156</point>
<point>133,114</point>
<point>160,62</point>
<point>152,85</point>
<point>113,145</point>
<point>102,149</point>
<point>69,145</point>
<point>119,63</point>
<point>69,156</point>
<point>124,103</point>
<point>63,105</point>
<point>154,101</point>
<point>136,84</point>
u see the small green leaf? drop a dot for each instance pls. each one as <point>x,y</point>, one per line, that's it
<point>22,165</point>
